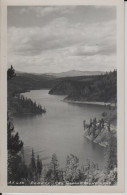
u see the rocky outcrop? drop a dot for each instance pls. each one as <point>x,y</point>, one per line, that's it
<point>99,132</point>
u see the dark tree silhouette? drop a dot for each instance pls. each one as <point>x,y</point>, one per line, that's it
<point>32,167</point>
<point>39,168</point>
<point>17,169</point>
<point>11,73</point>
<point>14,143</point>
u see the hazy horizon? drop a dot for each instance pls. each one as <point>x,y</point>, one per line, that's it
<point>18,71</point>
<point>63,71</point>
<point>54,39</point>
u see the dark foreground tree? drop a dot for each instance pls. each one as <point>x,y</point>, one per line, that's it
<point>10,73</point>
<point>32,168</point>
<point>14,143</point>
<point>35,168</point>
<point>39,168</point>
<point>17,169</point>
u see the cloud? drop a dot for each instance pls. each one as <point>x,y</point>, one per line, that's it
<point>46,10</point>
<point>108,49</point>
<point>85,50</point>
<point>59,61</point>
<point>26,16</point>
<point>60,34</point>
<point>60,45</point>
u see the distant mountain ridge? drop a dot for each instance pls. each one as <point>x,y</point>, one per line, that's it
<point>71,73</point>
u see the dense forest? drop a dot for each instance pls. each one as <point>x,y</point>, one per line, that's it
<point>91,87</point>
<point>27,81</point>
<point>100,88</point>
<point>18,104</point>
<point>23,105</point>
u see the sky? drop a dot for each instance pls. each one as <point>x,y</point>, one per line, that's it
<point>46,39</point>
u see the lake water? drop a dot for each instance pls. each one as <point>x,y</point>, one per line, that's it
<point>60,130</point>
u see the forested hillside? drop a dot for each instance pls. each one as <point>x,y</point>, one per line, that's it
<point>25,82</point>
<point>18,104</point>
<point>102,88</point>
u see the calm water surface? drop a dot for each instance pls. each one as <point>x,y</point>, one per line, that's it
<point>60,130</point>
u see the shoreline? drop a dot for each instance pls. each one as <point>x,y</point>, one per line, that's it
<point>100,144</point>
<point>92,103</point>
<point>77,101</point>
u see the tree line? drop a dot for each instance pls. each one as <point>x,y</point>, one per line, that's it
<point>26,105</point>
<point>100,88</point>
<point>18,104</point>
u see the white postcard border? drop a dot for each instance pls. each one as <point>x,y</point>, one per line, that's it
<point>3,97</point>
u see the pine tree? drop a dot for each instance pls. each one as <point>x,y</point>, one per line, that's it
<point>14,143</point>
<point>17,169</point>
<point>32,167</point>
<point>11,73</point>
<point>54,165</point>
<point>39,167</point>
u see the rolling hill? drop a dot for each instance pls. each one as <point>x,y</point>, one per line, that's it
<point>74,73</point>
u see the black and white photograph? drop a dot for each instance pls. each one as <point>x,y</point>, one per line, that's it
<point>62,95</point>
